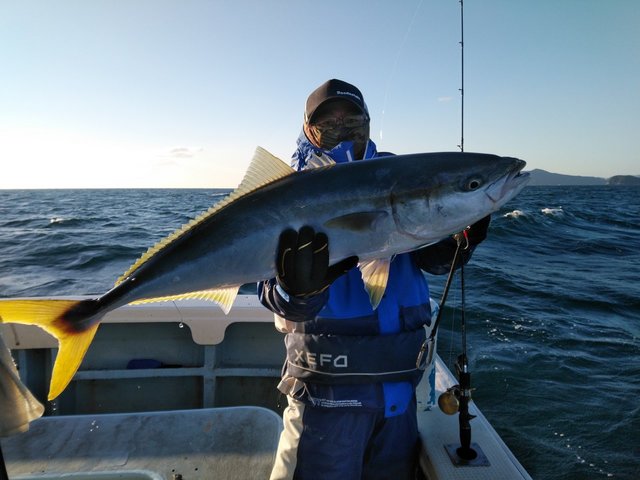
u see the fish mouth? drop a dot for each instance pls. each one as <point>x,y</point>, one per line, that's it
<point>510,184</point>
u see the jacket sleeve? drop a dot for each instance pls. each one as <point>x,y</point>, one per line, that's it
<point>292,308</point>
<point>437,258</point>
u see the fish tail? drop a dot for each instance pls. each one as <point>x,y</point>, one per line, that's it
<point>72,322</point>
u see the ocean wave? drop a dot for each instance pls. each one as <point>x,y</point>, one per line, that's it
<point>555,211</point>
<point>514,214</point>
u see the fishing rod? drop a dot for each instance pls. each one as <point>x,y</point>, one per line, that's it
<point>463,392</point>
<point>428,347</point>
<point>458,397</point>
<point>464,451</point>
<point>461,146</point>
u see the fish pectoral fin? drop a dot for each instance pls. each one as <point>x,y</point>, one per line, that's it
<point>224,297</point>
<point>67,321</point>
<point>375,274</point>
<point>357,222</point>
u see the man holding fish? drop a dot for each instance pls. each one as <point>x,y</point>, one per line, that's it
<point>350,373</point>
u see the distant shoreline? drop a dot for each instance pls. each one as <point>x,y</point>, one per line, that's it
<point>544,178</point>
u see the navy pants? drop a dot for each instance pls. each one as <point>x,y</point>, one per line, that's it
<point>321,443</point>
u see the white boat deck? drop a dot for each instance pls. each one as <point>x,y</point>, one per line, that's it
<point>208,443</point>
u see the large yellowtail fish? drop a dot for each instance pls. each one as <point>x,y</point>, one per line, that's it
<point>373,209</point>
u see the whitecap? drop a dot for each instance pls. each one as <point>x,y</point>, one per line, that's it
<point>553,211</point>
<point>56,220</point>
<point>514,214</point>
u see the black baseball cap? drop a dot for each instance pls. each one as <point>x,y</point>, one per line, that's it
<point>331,90</point>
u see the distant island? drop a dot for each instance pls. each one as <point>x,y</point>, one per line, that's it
<point>544,178</point>
<point>624,180</point>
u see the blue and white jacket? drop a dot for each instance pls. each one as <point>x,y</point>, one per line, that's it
<point>340,352</point>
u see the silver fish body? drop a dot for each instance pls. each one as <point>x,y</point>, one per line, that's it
<point>372,209</point>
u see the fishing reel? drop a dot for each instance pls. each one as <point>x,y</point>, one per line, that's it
<point>456,400</point>
<point>449,401</point>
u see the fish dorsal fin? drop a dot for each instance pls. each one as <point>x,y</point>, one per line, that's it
<point>264,168</point>
<point>375,274</point>
<point>322,160</point>
<point>223,297</point>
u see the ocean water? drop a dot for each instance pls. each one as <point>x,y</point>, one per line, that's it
<point>551,305</point>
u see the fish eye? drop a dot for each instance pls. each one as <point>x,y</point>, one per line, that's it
<point>473,184</point>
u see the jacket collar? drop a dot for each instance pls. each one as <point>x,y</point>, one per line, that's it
<point>341,153</point>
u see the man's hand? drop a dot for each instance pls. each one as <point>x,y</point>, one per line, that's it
<point>302,262</point>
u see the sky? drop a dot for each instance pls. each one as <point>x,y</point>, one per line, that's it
<point>158,93</point>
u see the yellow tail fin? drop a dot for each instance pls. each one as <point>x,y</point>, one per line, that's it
<point>49,315</point>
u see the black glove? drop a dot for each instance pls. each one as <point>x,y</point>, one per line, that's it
<point>302,262</point>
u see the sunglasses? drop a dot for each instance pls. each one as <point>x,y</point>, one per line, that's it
<point>347,121</point>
